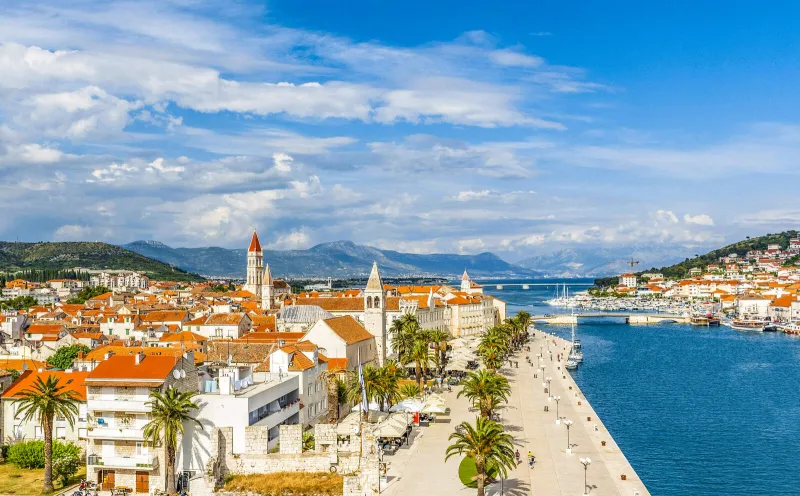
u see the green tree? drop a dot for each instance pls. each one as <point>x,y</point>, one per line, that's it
<point>88,293</point>
<point>410,390</point>
<point>65,466</point>
<point>486,390</point>
<point>168,413</point>
<point>63,357</point>
<point>18,303</point>
<point>43,402</point>
<point>487,444</point>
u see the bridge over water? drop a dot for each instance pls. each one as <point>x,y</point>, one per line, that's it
<point>632,318</point>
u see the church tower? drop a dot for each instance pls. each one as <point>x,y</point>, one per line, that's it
<point>267,290</point>
<point>255,267</point>
<point>465,286</point>
<point>375,311</point>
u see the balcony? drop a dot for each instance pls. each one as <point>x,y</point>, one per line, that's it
<point>120,462</point>
<point>120,405</point>
<point>279,416</point>
<point>131,433</point>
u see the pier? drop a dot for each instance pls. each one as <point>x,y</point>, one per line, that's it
<point>528,285</point>
<point>630,318</point>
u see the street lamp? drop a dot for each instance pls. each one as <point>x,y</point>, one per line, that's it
<point>558,419</point>
<point>586,462</point>
<point>568,423</point>
<point>549,392</point>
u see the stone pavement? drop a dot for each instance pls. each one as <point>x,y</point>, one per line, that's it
<point>420,468</point>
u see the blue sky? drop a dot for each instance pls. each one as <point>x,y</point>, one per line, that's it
<point>514,127</point>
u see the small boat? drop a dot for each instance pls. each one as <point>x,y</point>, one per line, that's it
<point>747,325</point>
<point>576,345</point>
<point>791,328</point>
<point>770,328</point>
<point>571,364</point>
<point>707,320</point>
<point>714,322</point>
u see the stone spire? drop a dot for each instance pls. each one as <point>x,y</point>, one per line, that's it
<point>255,245</point>
<point>267,289</point>
<point>465,276</point>
<point>255,269</point>
<point>374,283</point>
<point>267,276</point>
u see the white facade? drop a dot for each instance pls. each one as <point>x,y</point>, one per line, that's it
<point>375,312</point>
<point>255,267</point>
<point>122,280</point>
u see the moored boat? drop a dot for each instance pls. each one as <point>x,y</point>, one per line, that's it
<point>747,325</point>
<point>791,328</point>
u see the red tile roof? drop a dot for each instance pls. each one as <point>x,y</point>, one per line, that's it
<point>255,245</point>
<point>348,329</point>
<point>71,381</point>
<point>117,367</point>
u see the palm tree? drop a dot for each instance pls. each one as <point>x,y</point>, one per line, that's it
<point>373,385</point>
<point>440,338</point>
<point>404,332</point>
<point>43,402</point>
<point>421,354</point>
<point>410,390</point>
<point>390,375</point>
<point>486,390</point>
<point>168,413</point>
<point>487,444</point>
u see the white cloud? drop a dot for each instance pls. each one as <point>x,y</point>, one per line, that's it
<point>666,216</point>
<point>514,59</point>
<point>282,163</point>
<point>467,246</point>
<point>472,195</point>
<point>701,219</point>
<point>293,240</point>
<point>31,154</point>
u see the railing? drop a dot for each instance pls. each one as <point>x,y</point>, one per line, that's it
<point>132,432</point>
<point>278,416</point>
<point>120,405</point>
<point>137,462</point>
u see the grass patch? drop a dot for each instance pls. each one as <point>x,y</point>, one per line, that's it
<point>23,482</point>
<point>295,483</point>
<point>467,471</point>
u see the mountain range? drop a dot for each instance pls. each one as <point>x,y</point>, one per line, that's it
<point>335,259</point>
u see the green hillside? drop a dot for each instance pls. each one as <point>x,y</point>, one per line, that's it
<point>741,248</point>
<point>17,257</point>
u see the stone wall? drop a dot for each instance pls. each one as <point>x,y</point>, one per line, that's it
<point>325,438</point>
<point>291,439</point>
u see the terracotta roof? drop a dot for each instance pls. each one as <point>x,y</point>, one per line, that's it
<point>261,320</point>
<point>165,316</point>
<point>348,329</point>
<point>337,364</point>
<point>270,337</point>
<point>45,329</point>
<point>225,318</point>
<point>98,353</point>
<point>71,381</point>
<point>242,352</point>
<point>184,336</point>
<point>335,304</point>
<point>151,368</point>
<point>255,245</point>
<point>18,363</point>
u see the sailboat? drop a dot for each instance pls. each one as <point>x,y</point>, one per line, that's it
<point>575,354</point>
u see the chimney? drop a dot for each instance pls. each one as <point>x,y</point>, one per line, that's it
<point>138,357</point>
<point>80,355</point>
<point>108,355</point>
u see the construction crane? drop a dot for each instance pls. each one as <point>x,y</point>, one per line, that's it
<point>633,263</point>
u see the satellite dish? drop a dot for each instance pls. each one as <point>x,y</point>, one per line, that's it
<point>176,374</point>
<point>183,374</point>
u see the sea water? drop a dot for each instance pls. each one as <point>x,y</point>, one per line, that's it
<point>696,410</point>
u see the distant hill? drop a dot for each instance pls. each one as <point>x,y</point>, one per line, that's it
<point>336,259</point>
<point>599,261</point>
<point>740,248</point>
<point>86,255</point>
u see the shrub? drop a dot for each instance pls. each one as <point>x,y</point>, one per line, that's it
<point>65,466</point>
<point>30,454</point>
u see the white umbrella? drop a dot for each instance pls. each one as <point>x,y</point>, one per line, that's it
<point>433,408</point>
<point>407,405</point>
<point>435,398</point>
<point>389,429</point>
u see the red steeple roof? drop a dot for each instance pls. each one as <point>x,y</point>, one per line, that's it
<point>254,244</point>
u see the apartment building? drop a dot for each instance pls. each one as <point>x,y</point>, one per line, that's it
<point>118,391</point>
<point>237,397</point>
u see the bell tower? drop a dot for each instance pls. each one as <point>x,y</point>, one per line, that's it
<point>255,266</point>
<point>267,290</point>
<point>375,311</point>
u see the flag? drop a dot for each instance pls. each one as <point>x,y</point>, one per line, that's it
<point>364,403</point>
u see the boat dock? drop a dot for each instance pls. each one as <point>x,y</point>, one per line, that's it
<point>630,318</point>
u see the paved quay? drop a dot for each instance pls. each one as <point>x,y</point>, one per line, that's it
<point>421,469</point>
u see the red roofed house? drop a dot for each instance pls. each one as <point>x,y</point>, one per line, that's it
<point>344,337</point>
<point>16,428</point>
<point>304,360</point>
<point>118,390</point>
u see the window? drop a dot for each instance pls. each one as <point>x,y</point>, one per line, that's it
<point>18,431</point>
<point>38,434</point>
<point>61,432</point>
<point>141,449</point>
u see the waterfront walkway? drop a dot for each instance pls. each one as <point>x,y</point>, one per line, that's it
<point>420,469</point>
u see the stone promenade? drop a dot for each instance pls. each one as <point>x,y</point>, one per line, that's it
<point>420,469</point>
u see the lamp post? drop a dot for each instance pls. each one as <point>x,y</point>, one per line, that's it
<point>549,392</point>
<point>568,423</point>
<point>586,462</point>
<point>558,419</point>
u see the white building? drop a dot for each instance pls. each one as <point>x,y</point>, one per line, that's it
<point>118,395</point>
<point>14,427</point>
<point>304,360</point>
<point>123,280</point>
<point>628,280</point>
<point>344,337</point>
<point>255,267</point>
<point>237,397</point>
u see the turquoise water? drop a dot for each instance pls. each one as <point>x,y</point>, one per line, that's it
<point>697,411</point>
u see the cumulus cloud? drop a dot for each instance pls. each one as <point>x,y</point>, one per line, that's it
<point>700,219</point>
<point>666,216</point>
